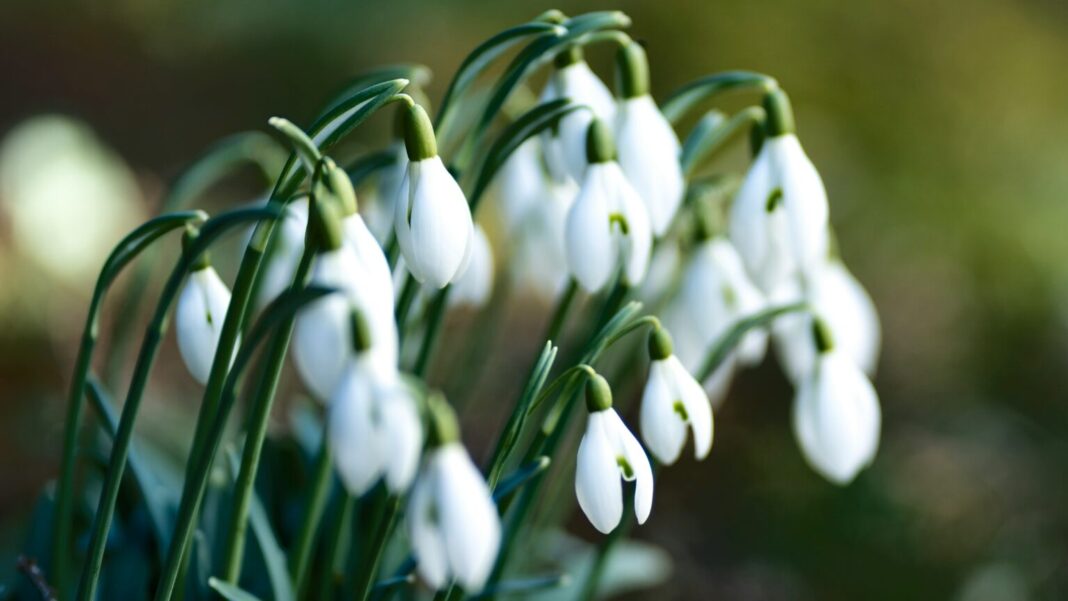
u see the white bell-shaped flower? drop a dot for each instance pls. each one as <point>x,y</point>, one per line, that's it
<point>199,319</point>
<point>607,455</point>
<point>779,218</point>
<point>692,350</point>
<point>565,149</point>
<point>672,402</point>
<point>847,309</point>
<point>539,257</point>
<point>518,186</point>
<point>280,265</point>
<point>836,414</point>
<point>374,426</point>
<point>607,228</point>
<point>322,339</point>
<point>453,522</point>
<point>649,150</point>
<point>432,217</point>
<point>474,287</point>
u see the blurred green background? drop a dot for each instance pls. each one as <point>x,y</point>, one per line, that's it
<point>941,131</point>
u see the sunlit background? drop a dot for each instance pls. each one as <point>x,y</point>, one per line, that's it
<point>940,129</point>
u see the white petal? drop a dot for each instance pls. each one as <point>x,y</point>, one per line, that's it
<point>403,432</point>
<point>353,431</point>
<point>638,243</point>
<point>473,288</point>
<point>199,318</point>
<point>663,429</point>
<point>698,407</point>
<point>519,185</point>
<point>281,265</point>
<point>597,484</point>
<point>428,545</point>
<point>322,339</point>
<point>403,208</point>
<point>624,443</point>
<point>804,200</point>
<point>441,225</point>
<point>372,260</point>
<point>379,205</point>
<point>851,315</point>
<point>582,86</point>
<point>649,154</point>
<point>469,519</point>
<point>748,214</point>
<point>590,253</point>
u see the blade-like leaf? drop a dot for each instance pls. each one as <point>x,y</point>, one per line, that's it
<point>230,592</point>
<point>730,339</point>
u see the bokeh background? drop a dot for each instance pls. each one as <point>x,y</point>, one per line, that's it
<point>941,131</point>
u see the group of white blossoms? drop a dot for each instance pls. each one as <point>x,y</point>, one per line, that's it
<point>596,192</point>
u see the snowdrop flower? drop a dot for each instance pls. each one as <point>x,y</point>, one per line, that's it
<point>281,264</point>
<point>836,414</point>
<point>540,256</point>
<point>452,519</point>
<point>322,340</point>
<point>608,452</point>
<point>565,151</point>
<point>199,317</point>
<point>378,207</point>
<point>607,226</point>
<point>374,428</point>
<point>519,185</point>
<point>843,304</point>
<point>673,400</point>
<point>473,288</point>
<point>778,220</point>
<point>649,150</point>
<point>432,218</point>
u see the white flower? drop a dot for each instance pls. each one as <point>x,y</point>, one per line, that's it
<point>518,186</point>
<point>778,220</point>
<point>433,223</point>
<point>607,453</point>
<point>322,340</point>
<point>374,428</point>
<point>473,288</point>
<point>837,418</point>
<point>673,400</point>
<point>454,526</point>
<point>649,154</point>
<point>540,259</point>
<point>287,248</point>
<point>377,207</point>
<point>843,304</point>
<point>607,229</point>
<point>565,152</point>
<point>199,320</point>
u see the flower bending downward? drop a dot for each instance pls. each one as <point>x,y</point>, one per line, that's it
<point>199,319</point>
<point>673,400</point>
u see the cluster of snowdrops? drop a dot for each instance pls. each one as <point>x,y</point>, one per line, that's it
<point>596,197</point>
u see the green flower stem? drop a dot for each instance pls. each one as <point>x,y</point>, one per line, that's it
<point>695,153</point>
<point>322,477</point>
<point>371,556</point>
<point>126,251</point>
<point>683,100</point>
<point>722,348</point>
<point>263,400</point>
<point>145,359</point>
<point>335,540</point>
<point>279,315</point>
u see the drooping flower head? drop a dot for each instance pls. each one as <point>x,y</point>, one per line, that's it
<point>607,229</point>
<point>673,402</point>
<point>836,414</point>
<point>649,150</point>
<point>608,455</point>
<point>200,314</point>
<point>431,217</point>
<point>452,519</point>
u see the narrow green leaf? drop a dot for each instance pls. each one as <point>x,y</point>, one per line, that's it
<point>230,592</point>
<point>688,96</point>
<point>520,477</point>
<point>730,339</point>
<point>222,159</point>
<point>713,131</point>
<point>525,586</point>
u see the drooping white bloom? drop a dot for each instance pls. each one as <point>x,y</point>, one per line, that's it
<point>453,522</point>
<point>608,453</point>
<point>607,229</point>
<point>836,418</point>
<point>649,153</point>
<point>778,220</point>
<point>565,152</point>
<point>199,319</point>
<point>673,400</point>
<point>374,428</point>
<point>473,288</point>
<point>281,265</point>
<point>847,309</point>
<point>518,187</point>
<point>433,223</point>
<point>322,340</point>
<point>540,258</point>
<point>373,273</point>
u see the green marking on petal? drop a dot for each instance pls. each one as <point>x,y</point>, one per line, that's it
<point>774,200</point>
<point>624,466</point>
<point>621,221</point>
<point>730,297</point>
<point>681,410</point>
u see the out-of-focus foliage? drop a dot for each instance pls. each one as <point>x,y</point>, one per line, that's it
<point>941,131</point>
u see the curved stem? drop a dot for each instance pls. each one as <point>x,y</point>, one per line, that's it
<point>385,523</point>
<point>126,251</point>
<point>683,100</point>
<point>313,512</point>
<point>715,138</point>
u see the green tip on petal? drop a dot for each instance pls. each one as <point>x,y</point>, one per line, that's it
<point>632,70</point>
<point>361,331</point>
<point>444,427</point>
<point>569,56</point>
<point>419,137</point>
<point>598,394</point>
<point>600,145</point>
<point>660,344</point>
<point>821,334</point>
<point>780,120</point>
<point>189,236</point>
<point>325,227</point>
